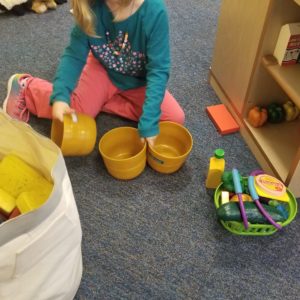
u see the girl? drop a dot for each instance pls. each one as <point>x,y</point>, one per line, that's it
<point>118,61</point>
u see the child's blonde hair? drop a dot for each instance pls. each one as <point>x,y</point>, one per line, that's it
<point>85,18</point>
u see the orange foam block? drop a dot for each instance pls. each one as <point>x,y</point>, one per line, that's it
<point>222,119</point>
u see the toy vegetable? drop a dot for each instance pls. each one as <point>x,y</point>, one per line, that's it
<point>230,212</point>
<point>291,111</point>
<point>257,116</point>
<point>238,190</point>
<point>276,113</point>
<point>227,180</point>
<point>255,198</point>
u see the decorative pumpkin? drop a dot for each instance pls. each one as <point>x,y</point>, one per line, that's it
<point>291,111</point>
<point>257,116</point>
<point>276,113</point>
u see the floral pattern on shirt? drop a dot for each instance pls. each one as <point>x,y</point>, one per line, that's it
<point>126,61</point>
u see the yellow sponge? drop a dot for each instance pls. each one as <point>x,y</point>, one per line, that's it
<point>31,200</point>
<point>7,202</point>
<point>17,176</point>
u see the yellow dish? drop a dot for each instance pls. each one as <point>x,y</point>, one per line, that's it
<point>76,136</point>
<point>123,153</point>
<point>171,149</point>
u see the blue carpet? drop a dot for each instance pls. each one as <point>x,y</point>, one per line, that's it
<point>157,236</point>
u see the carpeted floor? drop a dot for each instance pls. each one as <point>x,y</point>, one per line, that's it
<point>157,236</point>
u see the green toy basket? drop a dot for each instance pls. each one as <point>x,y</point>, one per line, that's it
<point>256,229</point>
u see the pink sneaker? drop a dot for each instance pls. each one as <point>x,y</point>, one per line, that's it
<point>14,104</point>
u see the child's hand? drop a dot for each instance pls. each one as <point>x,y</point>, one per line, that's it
<point>150,140</point>
<point>59,108</point>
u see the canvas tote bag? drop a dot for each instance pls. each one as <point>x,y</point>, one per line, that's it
<point>40,252</point>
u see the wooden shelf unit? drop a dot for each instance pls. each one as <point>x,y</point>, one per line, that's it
<point>280,143</point>
<point>244,74</point>
<point>287,77</point>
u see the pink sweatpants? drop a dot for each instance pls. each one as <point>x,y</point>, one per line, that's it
<point>95,92</point>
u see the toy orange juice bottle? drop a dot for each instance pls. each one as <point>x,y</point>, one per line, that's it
<point>216,169</point>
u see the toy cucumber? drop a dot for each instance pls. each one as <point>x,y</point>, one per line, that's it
<point>231,212</point>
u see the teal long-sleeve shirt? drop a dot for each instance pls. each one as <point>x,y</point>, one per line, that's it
<point>144,61</point>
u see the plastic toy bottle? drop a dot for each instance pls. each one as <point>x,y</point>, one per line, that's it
<point>216,169</point>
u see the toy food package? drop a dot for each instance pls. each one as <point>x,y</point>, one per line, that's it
<point>288,44</point>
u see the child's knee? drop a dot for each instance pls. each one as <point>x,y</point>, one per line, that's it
<point>87,110</point>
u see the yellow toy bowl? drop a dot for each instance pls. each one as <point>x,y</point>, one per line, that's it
<point>171,149</point>
<point>76,136</point>
<point>123,153</point>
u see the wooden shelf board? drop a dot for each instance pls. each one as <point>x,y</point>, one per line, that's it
<point>280,143</point>
<point>287,77</point>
